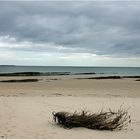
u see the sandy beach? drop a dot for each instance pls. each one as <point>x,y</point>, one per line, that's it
<point>26,108</point>
<point>69,69</point>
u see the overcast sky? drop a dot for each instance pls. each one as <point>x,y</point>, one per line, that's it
<point>70,33</point>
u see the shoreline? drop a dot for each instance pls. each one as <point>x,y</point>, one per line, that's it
<point>92,75</point>
<point>69,85</point>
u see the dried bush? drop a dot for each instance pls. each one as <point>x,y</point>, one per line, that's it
<point>102,121</point>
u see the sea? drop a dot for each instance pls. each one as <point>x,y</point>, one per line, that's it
<point>133,71</point>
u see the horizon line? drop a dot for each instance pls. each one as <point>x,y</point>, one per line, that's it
<point>66,66</point>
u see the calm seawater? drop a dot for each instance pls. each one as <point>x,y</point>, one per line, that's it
<point>98,70</point>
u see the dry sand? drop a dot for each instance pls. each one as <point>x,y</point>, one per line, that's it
<point>26,108</point>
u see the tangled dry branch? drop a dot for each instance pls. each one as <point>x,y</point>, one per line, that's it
<point>109,120</point>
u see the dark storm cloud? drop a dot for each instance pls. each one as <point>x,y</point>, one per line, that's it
<point>103,28</point>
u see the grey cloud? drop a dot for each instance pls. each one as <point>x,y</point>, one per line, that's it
<point>104,28</point>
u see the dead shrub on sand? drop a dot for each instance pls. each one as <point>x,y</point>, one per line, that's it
<point>109,120</point>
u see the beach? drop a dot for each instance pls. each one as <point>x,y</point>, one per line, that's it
<point>69,69</point>
<point>26,107</point>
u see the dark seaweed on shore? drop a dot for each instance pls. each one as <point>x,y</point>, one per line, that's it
<point>101,121</point>
<point>56,73</point>
<point>130,76</point>
<point>21,74</point>
<point>21,80</point>
<point>87,73</point>
<point>35,74</point>
<point>137,80</point>
<point>108,77</point>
